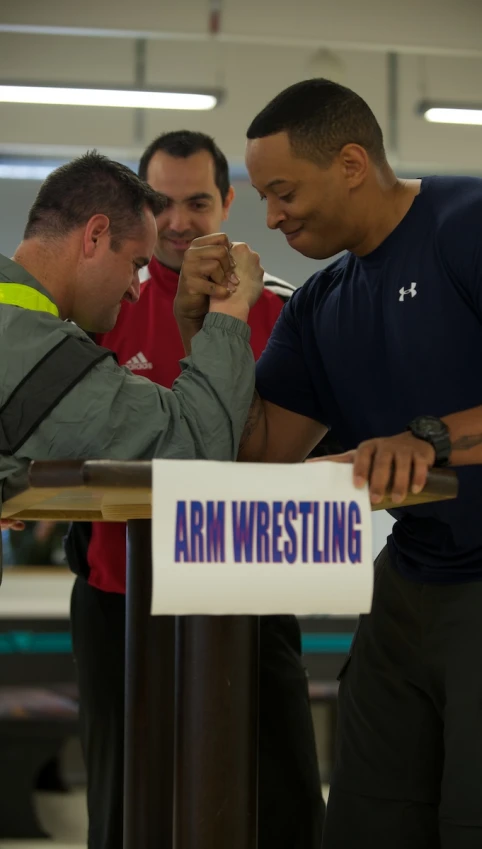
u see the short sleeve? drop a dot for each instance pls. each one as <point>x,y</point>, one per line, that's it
<point>284,371</point>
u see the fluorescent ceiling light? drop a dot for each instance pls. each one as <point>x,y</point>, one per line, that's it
<point>39,168</point>
<point>127,98</point>
<point>25,171</point>
<point>440,113</point>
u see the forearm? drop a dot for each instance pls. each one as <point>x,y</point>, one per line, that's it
<point>112,414</point>
<point>254,439</point>
<point>273,434</point>
<point>234,306</point>
<point>466,436</point>
<point>215,388</point>
<point>188,329</point>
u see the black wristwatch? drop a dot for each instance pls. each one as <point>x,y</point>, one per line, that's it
<point>436,432</point>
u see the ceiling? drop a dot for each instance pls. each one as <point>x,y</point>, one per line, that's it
<point>261,46</point>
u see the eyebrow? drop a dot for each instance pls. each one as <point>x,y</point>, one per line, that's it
<point>197,196</point>
<point>201,196</point>
<point>276,183</point>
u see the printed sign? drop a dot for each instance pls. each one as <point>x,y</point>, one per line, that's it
<point>242,538</point>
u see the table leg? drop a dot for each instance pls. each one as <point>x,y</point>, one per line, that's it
<point>149,705</point>
<point>217,732</point>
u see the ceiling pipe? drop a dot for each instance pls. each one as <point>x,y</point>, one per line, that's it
<point>214,19</point>
<point>392,92</point>
<point>140,49</point>
<point>253,40</point>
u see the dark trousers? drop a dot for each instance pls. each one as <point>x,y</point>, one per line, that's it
<point>408,772</point>
<point>291,808</point>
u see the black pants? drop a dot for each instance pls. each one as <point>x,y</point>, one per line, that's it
<point>291,808</point>
<point>409,763</point>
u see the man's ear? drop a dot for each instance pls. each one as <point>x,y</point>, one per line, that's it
<point>355,163</point>
<point>96,227</point>
<point>227,202</point>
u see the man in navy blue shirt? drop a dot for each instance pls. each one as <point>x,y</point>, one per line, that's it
<point>385,346</point>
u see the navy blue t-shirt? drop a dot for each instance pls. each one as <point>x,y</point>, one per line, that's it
<point>369,343</point>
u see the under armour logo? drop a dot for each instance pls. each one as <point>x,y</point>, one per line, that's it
<point>412,291</point>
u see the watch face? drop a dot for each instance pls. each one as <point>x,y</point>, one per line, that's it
<point>426,425</point>
<point>436,432</point>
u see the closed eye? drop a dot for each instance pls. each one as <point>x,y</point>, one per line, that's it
<point>287,198</point>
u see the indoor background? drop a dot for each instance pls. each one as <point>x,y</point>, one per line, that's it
<point>396,55</point>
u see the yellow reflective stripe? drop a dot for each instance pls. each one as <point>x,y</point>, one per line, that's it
<point>19,295</point>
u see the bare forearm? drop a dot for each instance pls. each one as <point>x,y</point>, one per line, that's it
<point>466,437</point>
<point>253,444</point>
<point>273,434</point>
<point>188,330</point>
<point>234,306</point>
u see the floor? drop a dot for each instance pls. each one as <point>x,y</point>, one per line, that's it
<point>64,816</point>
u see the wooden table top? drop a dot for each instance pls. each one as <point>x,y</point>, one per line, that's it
<point>111,491</point>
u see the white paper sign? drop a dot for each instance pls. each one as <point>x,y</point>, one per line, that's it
<point>242,538</point>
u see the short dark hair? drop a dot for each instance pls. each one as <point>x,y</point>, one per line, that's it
<point>184,143</point>
<point>87,186</point>
<point>320,118</point>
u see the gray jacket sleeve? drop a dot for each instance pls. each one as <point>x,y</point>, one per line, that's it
<point>113,414</point>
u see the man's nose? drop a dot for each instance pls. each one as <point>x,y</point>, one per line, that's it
<point>134,291</point>
<point>274,216</point>
<point>178,218</point>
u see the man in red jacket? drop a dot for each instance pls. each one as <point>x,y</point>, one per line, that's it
<point>191,170</point>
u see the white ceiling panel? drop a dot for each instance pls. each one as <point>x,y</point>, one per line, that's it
<point>143,14</point>
<point>264,45</point>
<point>435,24</point>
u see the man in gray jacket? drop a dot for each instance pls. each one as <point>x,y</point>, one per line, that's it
<point>90,230</point>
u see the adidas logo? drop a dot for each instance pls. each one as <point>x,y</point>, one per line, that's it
<point>138,363</point>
